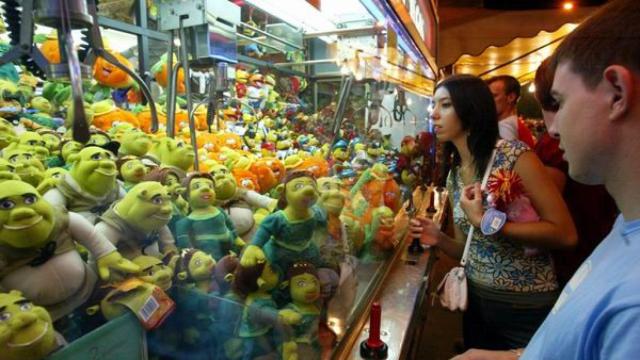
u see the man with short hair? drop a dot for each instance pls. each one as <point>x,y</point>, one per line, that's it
<point>506,92</point>
<point>597,88</point>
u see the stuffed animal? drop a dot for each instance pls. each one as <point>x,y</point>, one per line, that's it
<point>26,330</point>
<point>335,246</point>
<point>170,179</point>
<point>137,224</point>
<point>90,187</point>
<point>260,315</point>
<point>160,71</point>
<point>240,204</point>
<point>378,235</point>
<point>52,177</point>
<point>286,236</point>
<point>132,171</point>
<point>304,288</point>
<point>229,307</point>
<point>7,133</point>
<point>38,254</point>
<point>174,154</point>
<point>27,166</point>
<point>207,228</point>
<point>7,171</point>
<point>33,142</point>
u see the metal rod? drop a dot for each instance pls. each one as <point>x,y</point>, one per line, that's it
<point>171,89</point>
<point>341,107</point>
<point>306,62</point>
<point>187,81</point>
<point>357,31</point>
<point>521,56</point>
<point>259,42</point>
<point>269,35</point>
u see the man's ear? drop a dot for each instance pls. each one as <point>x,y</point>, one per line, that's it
<point>619,85</point>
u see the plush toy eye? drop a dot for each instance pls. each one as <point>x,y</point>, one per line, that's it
<point>7,204</point>
<point>180,144</point>
<point>26,307</point>
<point>14,159</point>
<point>299,186</point>
<point>198,262</point>
<point>27,156</point>
<point>96,156</point>
<point>301,283</point>
<point>196,186</point>
<point>5,316</point>
<point>157,200</point>
<point>30,199</point>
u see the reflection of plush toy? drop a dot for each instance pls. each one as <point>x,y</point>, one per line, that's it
<point>90,186</point>
<point>260,315</point>
<point>207,228</point>
<point>38,254</point>
<point>304,288</point>
<point>26,330</point>
<point>196,267</point>
<point>335,246</point>
<point>240,204</point>
<point>137,223</point>
<point>229,307</point>
<point>132,171</point>
<point>379,234</point>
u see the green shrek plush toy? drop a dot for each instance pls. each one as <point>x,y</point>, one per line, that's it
<point>207,228</point>
<point>304,288</point>
<point>260,316</point>
<point>137,224</point>
<point>34,142</point>
<point>90,187</point>
<point>52,141</point>
<point>38,255</point>
<point>132,171</point>
<point>173,154</point>
<point>26,330</point>
<point>286,236</point>
<point>7,171</point>
<point>133,141</point>
<point>52,177</point>
<point>240,204</point>
<point>27,166</point>
<point>334,245</point>
<point>7,133</point>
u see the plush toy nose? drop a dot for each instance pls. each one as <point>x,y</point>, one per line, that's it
<point>107,164</point>
<point>22,320</point>
<point>22,214</point>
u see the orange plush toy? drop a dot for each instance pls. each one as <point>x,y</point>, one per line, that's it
<point>266,178</point>
<point>276,166</point>
<point>50,48</point>
<point>230,140</point>
<point>107,74</point>
<point>315,165</point>
<point>144,118</point>
<point>160,70</point>
<point>246,179</point>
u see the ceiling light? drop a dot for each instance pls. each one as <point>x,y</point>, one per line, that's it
<point>568,5</point>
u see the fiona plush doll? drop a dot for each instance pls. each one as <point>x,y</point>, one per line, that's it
<point>206,228</point>
<point>261,315</point>
<point>286,236</point>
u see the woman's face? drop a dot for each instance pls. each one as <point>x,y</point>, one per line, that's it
<point>446,123</point>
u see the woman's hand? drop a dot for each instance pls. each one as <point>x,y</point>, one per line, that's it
<point>425,230</point>
<point>471,203</point>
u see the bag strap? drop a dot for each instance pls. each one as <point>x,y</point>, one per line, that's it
<point>485,178</point>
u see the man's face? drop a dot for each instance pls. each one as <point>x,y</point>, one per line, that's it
<point>581,122</point>
<point>503,102</point>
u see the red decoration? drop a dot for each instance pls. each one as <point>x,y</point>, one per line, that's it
<point>504,186</point>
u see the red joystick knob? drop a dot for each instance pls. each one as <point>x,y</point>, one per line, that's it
<point>373,347</point>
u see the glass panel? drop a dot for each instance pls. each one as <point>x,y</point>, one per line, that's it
<point>122,10</point>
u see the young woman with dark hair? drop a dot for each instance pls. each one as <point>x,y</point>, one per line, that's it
<point>510,292</point>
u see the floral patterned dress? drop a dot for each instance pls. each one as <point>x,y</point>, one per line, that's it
<point>495,261</point>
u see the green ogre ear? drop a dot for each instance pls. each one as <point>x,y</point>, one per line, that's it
<point>73,158</point>
<point>182,276</point>
<point>284,284</point>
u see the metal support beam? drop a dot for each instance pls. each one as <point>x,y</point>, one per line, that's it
<point>349,32</point>
<point>131,29</point>
<point>269,35</point>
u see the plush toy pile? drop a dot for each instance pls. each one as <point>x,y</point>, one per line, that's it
<point>242,255</point>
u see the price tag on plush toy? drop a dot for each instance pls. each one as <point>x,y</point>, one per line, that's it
<point>492,221</point>
<point>149,303</point>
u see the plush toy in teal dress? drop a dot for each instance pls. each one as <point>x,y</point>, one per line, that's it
<point>207,228</point>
